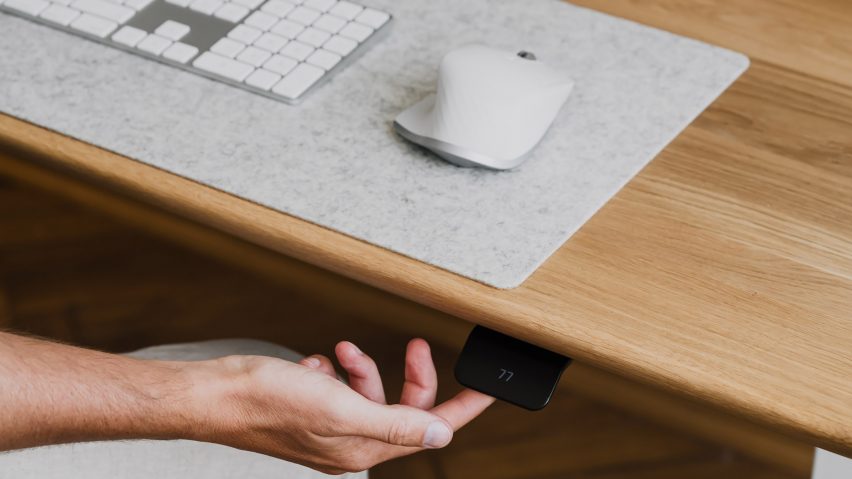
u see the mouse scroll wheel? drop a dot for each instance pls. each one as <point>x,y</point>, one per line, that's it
<point>526,55</point>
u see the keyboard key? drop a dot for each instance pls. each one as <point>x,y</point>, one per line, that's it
<point>279,8</point>
<point>263,79</point>
<point>93,25</point>
<point>324,59</point>
<point>280,64</point>
<point>180,52</point>
<point>261,20</point>
<point>102,8</point>
<point>59,14</point>
<point>356,31</point>
<point>232,12</point>
<point>303,15</point>
<point>227,47</point>
<point>172,30</point>
<point>206,6</point>
<point>270,42</point>
<point>313,36</point>
<point>180,3</point>
<point>346,10</point>
<point>223,66</point>
<point>288,29</point>
<point>372,18</point>
<point>297,50</point>
<point>30,7</point>
<point>250,4</point>
<point>137,4</point>
<point>330,23</point>
<point>298,81</point>
<point>340,45</point>
<point>253,56</point>
<point>129,36</point>
<point>154,44</point>
<point>321,5</point>
<point>245,34</point>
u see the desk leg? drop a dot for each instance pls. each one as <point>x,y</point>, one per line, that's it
<point>828,465</point>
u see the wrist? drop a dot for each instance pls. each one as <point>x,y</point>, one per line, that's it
<point>165,407</point>
<point>213,388</point>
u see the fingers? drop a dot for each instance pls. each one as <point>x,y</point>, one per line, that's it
<point>363,373</point>
<point>463,407</point>
<point>399,425</point>
<point>409,425</point>
<point>320,363</point>
<point>421,380</point>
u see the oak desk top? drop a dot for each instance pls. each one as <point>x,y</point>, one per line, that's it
<point>722,272</point>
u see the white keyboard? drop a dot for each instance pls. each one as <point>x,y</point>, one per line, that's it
<point>282,49</point>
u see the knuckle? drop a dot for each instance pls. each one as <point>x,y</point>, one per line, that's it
<point>369,362</point>
<point>233,363</point>
<point>398,432</point>
<point>364,368</point>
<point>259,369</point>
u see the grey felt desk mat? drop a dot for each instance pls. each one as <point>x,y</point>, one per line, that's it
<point>335,160</point>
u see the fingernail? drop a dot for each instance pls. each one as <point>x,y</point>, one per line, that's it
<point>311,362</point>
<point>437,435</point>
<point>357,350</point>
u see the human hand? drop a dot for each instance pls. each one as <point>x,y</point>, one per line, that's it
<point>304,414</point>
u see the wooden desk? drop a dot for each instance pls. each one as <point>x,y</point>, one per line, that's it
<point>723,272</point>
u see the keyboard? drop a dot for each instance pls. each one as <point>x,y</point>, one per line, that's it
<point>282,49</point>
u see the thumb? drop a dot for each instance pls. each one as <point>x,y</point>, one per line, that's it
<point>403,426</point>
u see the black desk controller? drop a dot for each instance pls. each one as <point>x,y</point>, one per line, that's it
<point>509,369</point>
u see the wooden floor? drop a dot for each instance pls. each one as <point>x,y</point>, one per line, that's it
<point>71,274</point>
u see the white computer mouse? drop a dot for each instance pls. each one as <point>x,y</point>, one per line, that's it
<point>491,108</point>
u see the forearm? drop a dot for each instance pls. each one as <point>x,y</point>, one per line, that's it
<point>53,393</point>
